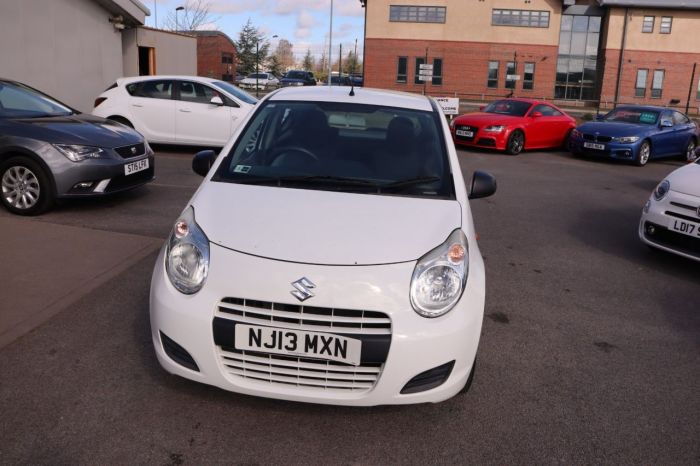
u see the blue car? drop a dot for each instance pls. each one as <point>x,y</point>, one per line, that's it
<point>637,134</point>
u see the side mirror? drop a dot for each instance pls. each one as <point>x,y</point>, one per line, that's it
<point>483,185</point>
<point>216,100</point>
<point>202,162</point>
<point>536,114</point>
<point>666,123</point>
<point>599,117</point>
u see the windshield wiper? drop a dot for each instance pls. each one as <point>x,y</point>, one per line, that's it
<point>280,180</point>
<point>410,182</point>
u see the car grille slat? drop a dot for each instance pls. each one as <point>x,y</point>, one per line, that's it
<point>295,315</point>
<point>132,150</point>
<point>294,362</point>
<point>685,206</point>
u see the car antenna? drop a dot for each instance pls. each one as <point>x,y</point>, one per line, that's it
<point>352,88</point>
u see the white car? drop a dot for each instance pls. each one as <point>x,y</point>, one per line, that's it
<point>187,110</point>
<point>329,256</point>
<point>260,81</point>
<point>671,217</point>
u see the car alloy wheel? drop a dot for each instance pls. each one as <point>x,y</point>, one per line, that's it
<point>25,188</point>
<point>516,142</point>
<point>644,153</point>
<point>690,154</point>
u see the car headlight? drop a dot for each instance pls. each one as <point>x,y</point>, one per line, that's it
<point>494,128</point>
<point>76,153</point>
<point>440,276</point>
<point>626,139</point>
<point>187,254</point>
<point>661,190</point>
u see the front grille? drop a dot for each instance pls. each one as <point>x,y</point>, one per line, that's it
<point>681,216</point>
<point>474,129</point>
<point>487,142</point>
<point>295,316</point>
<point>299,372</point>
<point>133,150</point>
<point>593,137</point>
<point>685,206</point>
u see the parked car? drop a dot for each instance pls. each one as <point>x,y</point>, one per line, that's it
<point>186,110</point>
<point>340,81</point>
<point>514,125</point>
<point>298,78</point>
<point>329,256</point>
<point>357,80</point>
<point>49,150</point>
<point>671,217</point>
<point>259,81</point>
<point>637,134</point>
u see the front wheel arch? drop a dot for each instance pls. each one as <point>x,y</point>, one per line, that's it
<point>22,152</point>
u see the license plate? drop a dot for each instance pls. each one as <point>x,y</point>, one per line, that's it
<point>466,134</point>
<point>138,166</point>
<point>686,228</point>
<point>298,343</point>
<point>593,145</point>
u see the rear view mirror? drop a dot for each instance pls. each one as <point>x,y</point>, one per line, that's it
<point>666,123</point>
<point>536,114</point>
<point>483,185</point>
<point>216,100</point>
<point>202,162</point>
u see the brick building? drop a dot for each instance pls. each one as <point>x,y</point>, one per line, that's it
<point>216,55</point>
<point>575,51</point>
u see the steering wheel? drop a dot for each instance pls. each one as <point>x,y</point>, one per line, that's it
<point>295,154</point>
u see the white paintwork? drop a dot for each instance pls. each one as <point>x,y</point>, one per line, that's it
<point>171,121</point>
<point>260,83</point>
<point>685,189</point>
<point>380,230</point>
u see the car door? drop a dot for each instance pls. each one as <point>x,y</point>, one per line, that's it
<point>152,109</point>
<point>197,120</point>
<point>664,141</point>
<point>685,130</point>
<point>539,127</point>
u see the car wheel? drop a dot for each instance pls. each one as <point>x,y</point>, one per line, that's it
<point>516,143</point>
<point>690,154</point>
<point>644,154</point>
<point>26,189</point>
<point>121,120</point>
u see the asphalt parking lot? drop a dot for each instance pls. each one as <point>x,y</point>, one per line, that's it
<point>590,351</point>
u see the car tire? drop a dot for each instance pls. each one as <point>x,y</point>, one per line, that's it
<point>516,142</point>
<point>690,154</point>
<point>644,154</point>
<point>121,120</point>
<point>470,379</point>
<point>25,187</point>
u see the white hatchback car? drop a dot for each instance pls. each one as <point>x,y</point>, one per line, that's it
<point>187,110</point>
<point>329,256</point>
<point>671,217</point>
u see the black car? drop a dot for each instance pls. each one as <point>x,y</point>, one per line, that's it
<point>298,78</point>
<point>49,150</point>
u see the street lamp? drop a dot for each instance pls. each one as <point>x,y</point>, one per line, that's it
<point>330,47</point>
<point>177,25</point>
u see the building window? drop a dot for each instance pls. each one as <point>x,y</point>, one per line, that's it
<point>520,18</point>
<point>493,75</point>
<point>666,23</point>
<point>227,58</point>
<point>529,76</point>
<point>419,61</point>
<point>510,71</point>
<point>437,72</point>
<point>402,70</point>
<point>648,24</point>
<point>577,62</point>
<point>657,84</point>
<point>640,88</point>
<point>417,14</point>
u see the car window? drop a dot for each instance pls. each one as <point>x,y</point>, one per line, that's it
<point>342,147</point>
<point>633,115</point>
<point>20,101</point>
<point>152,89</point>
<point>508,107</point>
<point>191,91</point>
<point>236,92</point>
<point>680,119</point>
<point>546,110</point>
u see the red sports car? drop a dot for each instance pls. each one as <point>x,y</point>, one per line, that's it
<point>513,125</point>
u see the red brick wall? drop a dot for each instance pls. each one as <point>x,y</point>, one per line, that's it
<point>678,69</point>
<point>209,50</point>
<point>465,66</point>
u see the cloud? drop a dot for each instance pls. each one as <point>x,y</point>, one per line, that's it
<point>305,23</point>
<point>239,6</point>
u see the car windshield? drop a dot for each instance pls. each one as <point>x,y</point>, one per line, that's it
<point>18,101</point>
<point>341,147</point>
<point>236,92</point>
<point>296,75</point>
<point>633,115</point>
<point>508,107</point>
<point>258,75</point>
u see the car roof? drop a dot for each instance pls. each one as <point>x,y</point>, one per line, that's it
<point>655,108</point>
<point>132,79</point>
<point>363,95</point>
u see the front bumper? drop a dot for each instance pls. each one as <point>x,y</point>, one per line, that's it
<point>612,150</point>
<point>415,344</point>
<point>482,139</point>
<point>659,225</point>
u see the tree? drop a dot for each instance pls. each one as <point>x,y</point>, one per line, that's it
<point>284,54</point>
<point>274,66</point>
<point>309,63</point>
<point>194,15</point>
<point>351,64</point>
<point>248,39</point>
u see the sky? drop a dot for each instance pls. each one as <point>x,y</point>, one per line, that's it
<point>304,23</point>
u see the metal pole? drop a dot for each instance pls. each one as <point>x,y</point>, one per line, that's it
<point>177,24</point>
<point>690,89</point>
<point>621,62</point>
<point>354,58</point>
<point>425,83</point>
<point>330,46</point>
<point>340,63</point>
<point>155,11</point>
<point>257,69</point>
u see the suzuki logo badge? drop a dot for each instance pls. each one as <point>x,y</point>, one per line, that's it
<point>302,289</point>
